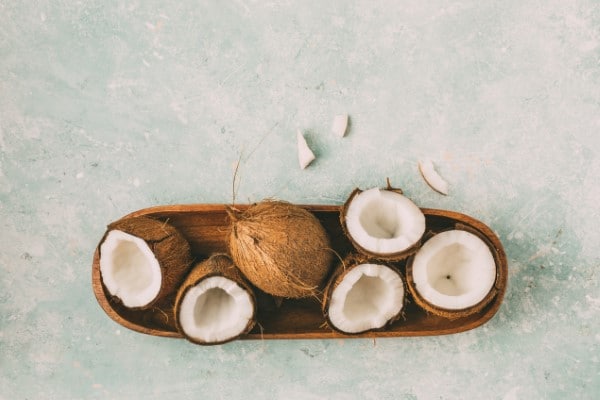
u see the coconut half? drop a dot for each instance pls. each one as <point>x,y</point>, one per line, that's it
<point>281,248</point>
<point>142,260</point>
<point>383,223</point>
<point>453,274</point>
<point>215,304</point>
<point>363,296</point>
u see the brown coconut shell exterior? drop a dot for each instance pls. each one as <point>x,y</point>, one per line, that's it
<point>281,248</point>
<point>170,248</point>
<point>339,273</point>
<point>398,256</point>
<point>215,265</point>
<point>455,314</point>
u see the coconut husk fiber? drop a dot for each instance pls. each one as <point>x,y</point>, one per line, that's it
<point>170,248</point>
<point>281,248</point>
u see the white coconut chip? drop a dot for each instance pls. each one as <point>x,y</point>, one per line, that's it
<point>384,222</point>
<point>339,125</point>
<point>433,179</point>
<point>215,310</point>
<point>454,270</point>
<point>129,269</point>
<point>305,154</point>
<point>367,298</point>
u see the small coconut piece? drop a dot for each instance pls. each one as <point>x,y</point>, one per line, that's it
<point>363,295</point>
<point>383,223</point>
<point>339,125</point>
<point>432,178</point>
<point>453,274</point>
<point>305,154</point>
<point>280,247</point>
<point>215,304</point>
<point>142,260</point>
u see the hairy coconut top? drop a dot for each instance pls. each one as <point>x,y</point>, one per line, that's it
<point>142,260</point>
<point>280,247</point>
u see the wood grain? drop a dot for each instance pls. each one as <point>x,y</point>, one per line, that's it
<point>206,227</point>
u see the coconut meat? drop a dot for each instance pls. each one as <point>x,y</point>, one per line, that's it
<point>305,154</point>
<point>215,310</point>
<point>433,179</point>
<point>339,125</point>
<point>129,269</point>
<point>383,221</point>
<point>368,296</point>
<point>454,270</point>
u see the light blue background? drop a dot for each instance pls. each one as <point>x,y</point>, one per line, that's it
<point>107,107</point>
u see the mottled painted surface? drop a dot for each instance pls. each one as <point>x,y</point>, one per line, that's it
<point>107,107</point>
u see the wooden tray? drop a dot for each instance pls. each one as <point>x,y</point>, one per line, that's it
<point>206,227</point>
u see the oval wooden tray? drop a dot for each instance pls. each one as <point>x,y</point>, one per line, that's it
<point>206,227</point>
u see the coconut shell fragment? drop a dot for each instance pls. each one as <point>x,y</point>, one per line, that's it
<point>281,248</point>
<point>142,260</point>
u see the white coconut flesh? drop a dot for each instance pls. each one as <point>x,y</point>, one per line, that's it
<point>384,222</point>
<point>433,179</point>
<point>305,154</point>
<point>129,269</point>
<point>339,125</point>
<point>454,270</point>
<point>215,310</point>
<point>367,298</point>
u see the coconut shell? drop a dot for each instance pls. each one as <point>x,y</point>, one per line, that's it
<point>281,248</point>
<point>339,273</point>
<point>465,312</point>
<point>216,265</point>
<point>170,248</point>
<point>398,256</point>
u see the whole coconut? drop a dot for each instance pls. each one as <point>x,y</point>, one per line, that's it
<point>280,247</point>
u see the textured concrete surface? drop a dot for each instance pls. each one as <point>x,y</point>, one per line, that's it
<point>107,107</point>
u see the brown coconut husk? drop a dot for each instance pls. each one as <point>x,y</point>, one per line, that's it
<point>215,265</point>
<point>281,248</point>
<point>339,273</point>
<point>170,248</point>
<point>461,313</point>
<point>398,256</point>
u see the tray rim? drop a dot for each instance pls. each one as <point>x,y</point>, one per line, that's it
<point>488,313</point>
